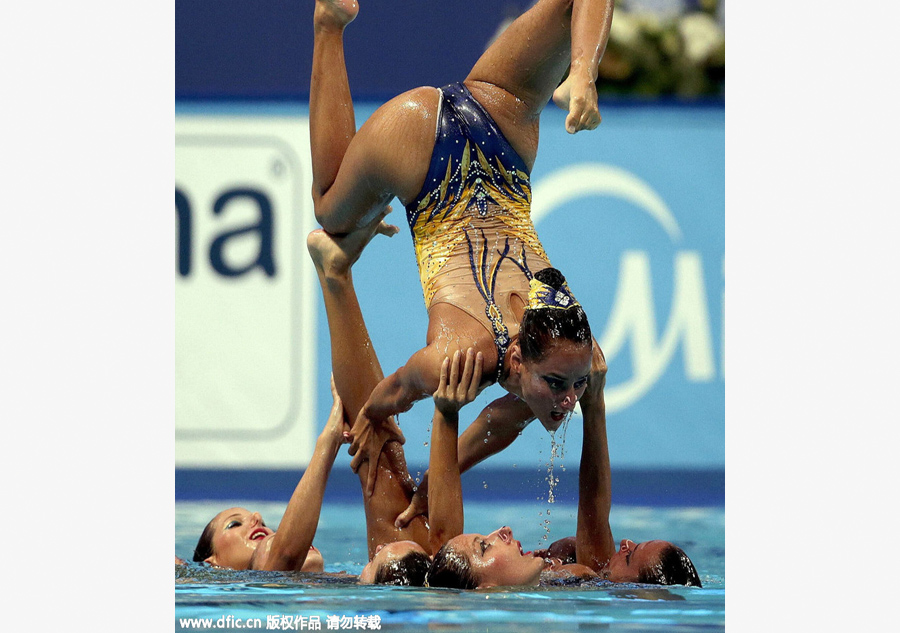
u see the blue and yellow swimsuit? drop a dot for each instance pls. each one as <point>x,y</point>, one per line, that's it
<point>476,245</point>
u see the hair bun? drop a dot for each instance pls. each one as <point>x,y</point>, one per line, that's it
<point>552,277</point>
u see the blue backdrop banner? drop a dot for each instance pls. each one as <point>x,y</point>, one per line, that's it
<point>632,213</point>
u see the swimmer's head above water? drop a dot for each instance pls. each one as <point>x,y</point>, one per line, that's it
<point>399,563</point>
<point>475,561</point>
<point>550,362</point>
<point>233,536</point>
<point>652,563</point>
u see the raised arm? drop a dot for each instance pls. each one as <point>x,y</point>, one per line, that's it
<point>288,548</point>
<point>498,425</point>
<point>445,506</point>
<point>593,537</point>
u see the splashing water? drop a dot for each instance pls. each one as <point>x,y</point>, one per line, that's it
<point>557,450</point>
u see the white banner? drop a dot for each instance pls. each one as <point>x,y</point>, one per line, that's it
<point>245,293</point>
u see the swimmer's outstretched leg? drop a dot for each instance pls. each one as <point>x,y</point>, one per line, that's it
<point>354,364</point>
<point>529,59</point>
<point>355,373</point>
<point>332,123</point>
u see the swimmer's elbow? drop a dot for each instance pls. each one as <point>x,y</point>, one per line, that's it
<point>598,366</point>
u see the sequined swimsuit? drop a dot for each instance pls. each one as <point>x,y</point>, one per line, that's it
<point>475,243</point>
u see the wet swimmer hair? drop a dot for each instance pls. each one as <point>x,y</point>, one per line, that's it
<point>674,568</point>
<point>449,569</point>
<point>552,313</point>
<point>204,547</point>
<point>409,571</point>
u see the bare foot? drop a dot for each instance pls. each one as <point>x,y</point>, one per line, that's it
<point>334,255</point>
<point>579,96</point>
<point>335,13</point>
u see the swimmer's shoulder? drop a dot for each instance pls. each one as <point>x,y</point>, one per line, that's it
<point>577,570</point>
<point>571,573</point>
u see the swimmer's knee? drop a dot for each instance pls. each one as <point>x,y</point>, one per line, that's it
<point>326,219</point>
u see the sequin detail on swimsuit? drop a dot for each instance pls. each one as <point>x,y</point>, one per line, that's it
<point>540,295</point>
<point>484,273</point>
<point>474,174</point>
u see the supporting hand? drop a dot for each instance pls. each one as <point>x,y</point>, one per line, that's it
<point>418,505</point>
<point>455,391</point>
<point>337,426</point>
<point>368,443</point>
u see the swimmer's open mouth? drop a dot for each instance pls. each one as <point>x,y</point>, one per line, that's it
<point>521,551</point>
<point>258,534</point>
<point>558,417</point>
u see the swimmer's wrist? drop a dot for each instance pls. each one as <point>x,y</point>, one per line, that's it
<point>449,417</point>
<point>329,440</point>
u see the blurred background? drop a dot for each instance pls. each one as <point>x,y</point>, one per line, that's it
<point>227,49</point>
<point>632,213</point>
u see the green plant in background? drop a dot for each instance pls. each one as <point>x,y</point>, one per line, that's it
<point>651,55</point>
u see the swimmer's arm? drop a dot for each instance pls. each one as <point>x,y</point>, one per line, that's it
<point>395,394</point>
<point>504,418</point>
<point>457,387</point>
<point>415,380</point>
<point>594,543</point>
<point>495,428</point>
<point>289,546</point>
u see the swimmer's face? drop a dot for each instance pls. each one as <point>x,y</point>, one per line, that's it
<point>627,563</point>
<point>552,385</point>
<point>237,533</point>
<point>497,559</point>
<point>386,554</point>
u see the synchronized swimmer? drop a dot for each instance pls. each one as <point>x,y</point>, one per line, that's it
<point>459,159</point>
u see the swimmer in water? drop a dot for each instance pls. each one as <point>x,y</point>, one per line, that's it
<point>475,561</point>
<point>237,538</point>
<point>459,159</point>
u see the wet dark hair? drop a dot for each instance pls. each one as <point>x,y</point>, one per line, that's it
<point>204,547</point>
<point>541,326</point>
<point>674,568</point>
<point>449,569</point>
<point>407,571</point>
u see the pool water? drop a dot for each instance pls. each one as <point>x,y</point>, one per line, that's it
<point>290,601</point>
